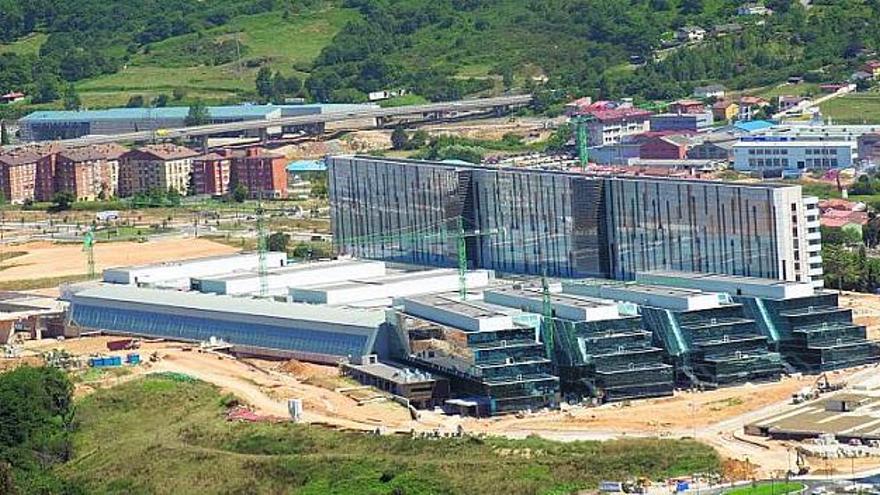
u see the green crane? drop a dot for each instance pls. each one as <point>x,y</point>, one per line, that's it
<point>262,248</point>
<point>89,248</point>
<point>460,236</point>
<point>547,310</point>
<point>582,138</point>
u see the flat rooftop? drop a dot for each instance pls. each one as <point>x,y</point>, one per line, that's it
<point>300,268</point>
<point>393,372</point>
<point>196,301</point>
<point>386,279</point>
<point>812,419</point>
<point>727,279</point>
<point>192,261</point>
<point>457,166</point>
<point>476,309</point>
<point>584,302</point>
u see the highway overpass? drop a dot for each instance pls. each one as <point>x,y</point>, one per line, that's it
<point>425,110</point>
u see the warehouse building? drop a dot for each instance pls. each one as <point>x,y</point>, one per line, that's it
<point>177,274</point>
<point>710,339</point>
<point>599,349</point>
<point>771,156</point>
<point>571,224</point>
<point>489,353</point>
<point>259,327</point>
<point>50,125</point>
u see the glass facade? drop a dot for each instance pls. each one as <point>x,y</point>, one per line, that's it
<point>571,225</point>
<point>199,328</point>
<point>692,226</point>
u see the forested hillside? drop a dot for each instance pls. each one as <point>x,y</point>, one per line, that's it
<point>439,49</point>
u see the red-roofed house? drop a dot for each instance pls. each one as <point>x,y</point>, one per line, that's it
<point>826,205</point>
<point>609,124</point>
<point>578,106</point>
<point>872,67</point>
<point>663,145</point>
<point>748,105</point>
<point>844,220</point>
<point>687,107</point>
<point>12,97</point>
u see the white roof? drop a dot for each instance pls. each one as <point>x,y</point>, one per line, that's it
<point>793,144</point>
<point>233,305</point>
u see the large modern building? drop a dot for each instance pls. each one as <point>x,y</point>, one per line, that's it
<point>178,274</point>
<point>267,328</point>
<point>569,224</point>
<point>50,125</point>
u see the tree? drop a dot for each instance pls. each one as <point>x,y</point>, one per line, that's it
<point>198,114</point>
<point>62,200</point>
<point>419,139</point>
<point>161,100</point>
<point>399,139</point>
<point>71,98</point>
<point>173,196</point>
<point>135,101</point>
<point>264,83</point>
<point>239,193</point>
<point>319,186</point>
<point>5,139</point>
<point>278,242</point>
<point>178,94</point>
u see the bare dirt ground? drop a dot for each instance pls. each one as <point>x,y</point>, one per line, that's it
<point>866,310</point>
<point>45,259</point>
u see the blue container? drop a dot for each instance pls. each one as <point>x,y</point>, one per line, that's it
<point>114,361</point>
<point>133,358</point>
<point>682,486</point>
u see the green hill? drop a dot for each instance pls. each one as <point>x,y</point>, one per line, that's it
<point>161,435</point>
<point>439,49</point>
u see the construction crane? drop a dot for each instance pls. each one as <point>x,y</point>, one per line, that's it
<point>460,236</point>
<point>582,138</point>
<point>262,247</point>
<point>547,311</point>
<point>89,248</point>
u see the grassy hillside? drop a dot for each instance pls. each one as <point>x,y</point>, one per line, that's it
<point>159,435</point>
<point>285,44</point>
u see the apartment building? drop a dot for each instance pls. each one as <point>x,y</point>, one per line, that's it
<point>264,174</point>
<point>159,166</point>
<point>569,224</point>
<point>610,126</point>
<point>89,173</point>
<point>211,174</point>
<point>18,174</point>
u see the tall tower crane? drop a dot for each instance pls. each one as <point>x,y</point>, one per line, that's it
<point>459,236</point>
<point>262,247</point>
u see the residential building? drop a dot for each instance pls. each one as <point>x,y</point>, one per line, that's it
<point>753,9</point>
<point>749,107</point>
<point>12,97</point>
<point>725,29</point>
<point>577,107</point>
<point>18,173</point>
<point>710,91</point>
<point>686,107</point>
<point>608,125</point>
<point>211,174</point>
<point>725,110</point>
<point>869,148</point>
<point>90,172</point>
<point>690,33</point>
<point>769,156</point>
<point>872,67</point>
<point>569,224</point>
<point>44,187</point>
<point>158,166</point>
<point>853,221</point>
<point>264,174</point>
<point>682,121</point>
<point>787,102</point>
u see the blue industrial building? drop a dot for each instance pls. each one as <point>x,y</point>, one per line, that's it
<point>262,327</point>
<point>51,124</point>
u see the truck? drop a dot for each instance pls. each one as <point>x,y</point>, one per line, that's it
<point>123,344</point>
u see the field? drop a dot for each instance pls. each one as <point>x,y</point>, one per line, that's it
<point>29,45</point>
<point>265,39</point>
<point>164,434</point>
<point>773,92</point>
<point>853,109</point>
<point>780,488</point>
<point>45,259</point>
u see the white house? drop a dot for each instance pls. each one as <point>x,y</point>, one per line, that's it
<point>712,91</point>
<point>753,9</point>
<point>691,33</point>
